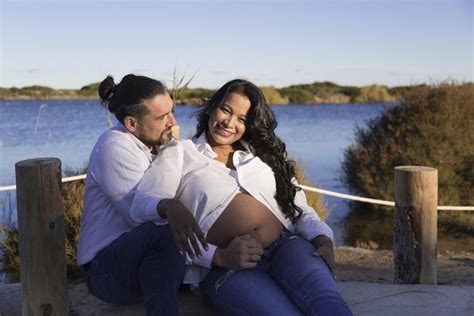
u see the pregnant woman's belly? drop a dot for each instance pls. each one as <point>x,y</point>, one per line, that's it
<point>245,215</point>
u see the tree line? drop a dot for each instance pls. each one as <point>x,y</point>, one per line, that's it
<point>314,93</point>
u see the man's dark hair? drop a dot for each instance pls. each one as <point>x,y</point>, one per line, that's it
<point>129,96</point>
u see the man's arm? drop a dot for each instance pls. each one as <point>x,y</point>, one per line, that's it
<point>184,226</point>
<point>154,200</point>
<point>160,182</point>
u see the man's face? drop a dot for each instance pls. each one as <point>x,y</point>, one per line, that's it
<point>155,127</point>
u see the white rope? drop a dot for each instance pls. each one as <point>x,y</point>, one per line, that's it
<point>66,179</point>
<point>379,202</point>
<point>304,187</point>
<point>8,188</point>
<point>347,196</point>
<point>74,178</point>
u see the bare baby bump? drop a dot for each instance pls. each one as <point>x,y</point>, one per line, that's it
<point>245,215</point>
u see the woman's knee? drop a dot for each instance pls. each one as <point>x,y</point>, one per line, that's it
<point>248,292</point>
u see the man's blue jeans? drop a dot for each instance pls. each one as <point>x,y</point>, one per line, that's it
<point>288,280</point>
<point>141,265</point>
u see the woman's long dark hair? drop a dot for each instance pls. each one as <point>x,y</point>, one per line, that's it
<point>260,134</point>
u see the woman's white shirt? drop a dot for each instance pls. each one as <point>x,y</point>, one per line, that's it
<point>186,170</point>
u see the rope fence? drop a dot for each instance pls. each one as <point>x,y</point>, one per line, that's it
<point>304,187</point>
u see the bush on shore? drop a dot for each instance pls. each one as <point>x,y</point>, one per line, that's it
<point>374,93</point>
<point>273,96</point>
<point>433,126</point>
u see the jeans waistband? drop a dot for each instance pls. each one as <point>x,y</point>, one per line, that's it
<point>283,235</point>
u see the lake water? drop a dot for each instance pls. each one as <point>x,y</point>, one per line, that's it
<point>315,135</point>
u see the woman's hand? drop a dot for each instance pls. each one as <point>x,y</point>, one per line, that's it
<point>243,252</point>
<point>325,250</point>
<point>184,226</point>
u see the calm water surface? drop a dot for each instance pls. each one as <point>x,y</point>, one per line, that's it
<point>315,135</point>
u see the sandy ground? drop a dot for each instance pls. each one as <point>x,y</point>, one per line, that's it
<point>364,265</point>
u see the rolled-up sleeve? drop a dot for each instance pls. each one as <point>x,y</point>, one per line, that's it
<point>161,181</point>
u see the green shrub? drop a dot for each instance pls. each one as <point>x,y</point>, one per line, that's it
<point>273,96</point>
<point>433,126</point>
<point>89,91</point>
<point>297,95</point>
<point>374,93</point>
<point>9,249</point>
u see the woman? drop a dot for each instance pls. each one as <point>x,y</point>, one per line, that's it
<point>234,177</point>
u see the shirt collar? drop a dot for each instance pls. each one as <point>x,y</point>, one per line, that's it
<point>202,145</point>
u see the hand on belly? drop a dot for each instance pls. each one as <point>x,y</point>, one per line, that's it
<point>245,216</point>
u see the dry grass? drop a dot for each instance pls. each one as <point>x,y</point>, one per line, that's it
<point>315,200</point>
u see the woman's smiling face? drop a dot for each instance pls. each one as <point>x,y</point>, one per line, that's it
<point>227,122</point>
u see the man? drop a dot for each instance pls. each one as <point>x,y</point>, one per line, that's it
<point>129,258</point>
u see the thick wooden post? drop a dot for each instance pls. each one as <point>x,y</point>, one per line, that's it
<point>41,237</point>
<point>415,225</point>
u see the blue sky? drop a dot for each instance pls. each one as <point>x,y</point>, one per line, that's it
<point>68,44</point>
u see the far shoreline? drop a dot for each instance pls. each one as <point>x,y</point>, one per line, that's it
<point>315,93</point>
<point>197,105</point>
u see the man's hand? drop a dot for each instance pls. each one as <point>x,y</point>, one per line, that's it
<point>184,226</point>
<point>325,250</point>
<point>243,252</point>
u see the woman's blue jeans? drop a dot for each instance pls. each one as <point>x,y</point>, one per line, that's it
<point>288,280</point>
<point>141,265</point>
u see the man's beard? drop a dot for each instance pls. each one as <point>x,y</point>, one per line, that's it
<point>167,135</point>
<point>165,138</point>
<point>149,142</point>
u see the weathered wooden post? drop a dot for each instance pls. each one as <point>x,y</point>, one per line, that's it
<point>415,225</point>
<point>41,237</point>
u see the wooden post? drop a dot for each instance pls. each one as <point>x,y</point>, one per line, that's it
<point>415,225</point>
<point>41,237</point>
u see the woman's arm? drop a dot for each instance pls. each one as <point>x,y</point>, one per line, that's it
<point>311,227</point>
